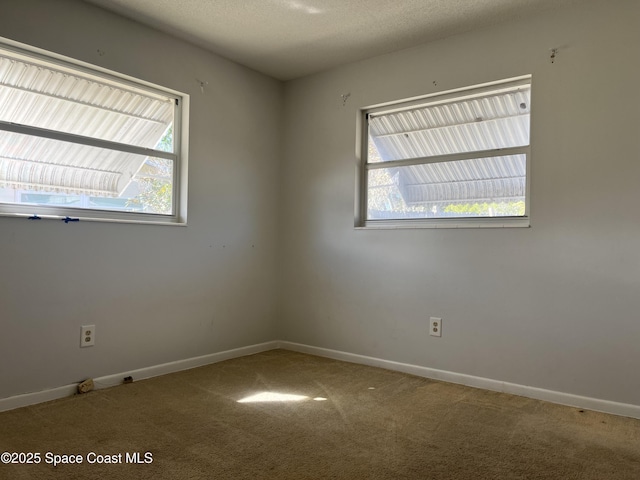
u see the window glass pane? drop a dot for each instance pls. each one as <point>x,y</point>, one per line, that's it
<point>41,94</point>
<point>40,171</point>
<point>482,187</point>
<point>493,121</point>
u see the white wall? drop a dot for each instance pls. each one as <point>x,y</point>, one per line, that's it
<point>554,306</point>
<point>156,294</point>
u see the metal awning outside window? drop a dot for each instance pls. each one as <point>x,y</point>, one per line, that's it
<point>469,149</point>
<point>65,131</point>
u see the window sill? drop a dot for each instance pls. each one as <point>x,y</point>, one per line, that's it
<point>75,219</point>
<point>445,223</point>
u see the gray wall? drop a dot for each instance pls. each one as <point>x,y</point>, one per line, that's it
<point>554,306</point>
<point>156,294</point>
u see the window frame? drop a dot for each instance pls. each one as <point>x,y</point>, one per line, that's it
<point>179,156</point>
<point>364,166</point>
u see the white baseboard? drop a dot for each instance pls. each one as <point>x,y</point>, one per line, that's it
<point>26,399</point>
<point>598,405</point>
<point>605,406</point>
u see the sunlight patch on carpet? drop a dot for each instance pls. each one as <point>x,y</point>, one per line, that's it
<point>273,397</point>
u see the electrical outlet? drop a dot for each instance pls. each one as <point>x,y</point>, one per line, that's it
<point>87,335</point>
<point>435,327</point>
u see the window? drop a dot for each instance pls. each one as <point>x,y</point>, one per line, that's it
<point>80,142</point>
<point>458,159</point>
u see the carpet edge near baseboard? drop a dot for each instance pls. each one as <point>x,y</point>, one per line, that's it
<point>32,398</point>
<point>568,399</point>
<point>561,398</point>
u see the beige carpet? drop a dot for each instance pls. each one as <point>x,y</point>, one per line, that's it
<point>349,422</point>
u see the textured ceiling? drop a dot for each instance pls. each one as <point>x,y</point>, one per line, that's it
<point>288,39</point>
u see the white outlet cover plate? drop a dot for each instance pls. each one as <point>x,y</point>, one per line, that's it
<point>87,335</point>
<point>435,327</point>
